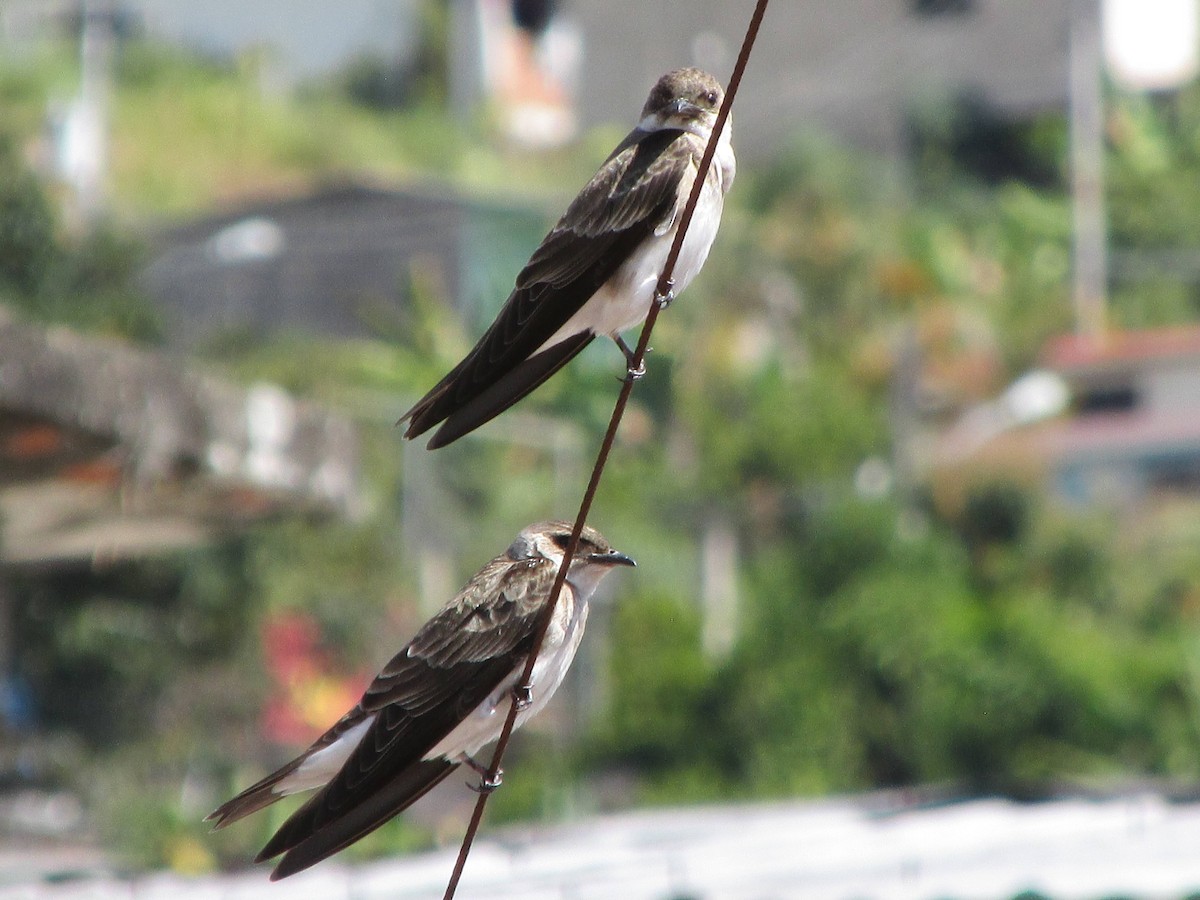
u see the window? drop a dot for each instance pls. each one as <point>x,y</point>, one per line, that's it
<point>931,8</point>
<point>1107,399</point>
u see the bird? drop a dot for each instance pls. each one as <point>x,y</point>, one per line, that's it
<point>596,271</point>
<point>444,696</point>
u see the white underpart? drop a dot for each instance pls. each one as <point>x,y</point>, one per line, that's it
<point>484,723</point>
<point>624,300</point>
<point>315,771</point>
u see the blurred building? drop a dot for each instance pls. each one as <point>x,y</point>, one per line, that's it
<point>302,38</point>
<point>110,451</point>
<point>346,261</point>
<point>1112,421</point>
<point>857,69</point>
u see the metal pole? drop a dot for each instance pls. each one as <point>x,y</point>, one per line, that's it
<point>87,151</point>
<point>1087,168</point>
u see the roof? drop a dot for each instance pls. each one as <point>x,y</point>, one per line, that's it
<point>1140,434</point>
<point>875,846</point>
<point>110,449</point>
<point>344,261</point>
<point>1075,353</point>
<point>334,262</point>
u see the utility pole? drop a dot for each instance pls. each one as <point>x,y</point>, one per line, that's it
<point>83,153</point>
<point>1087,169</point>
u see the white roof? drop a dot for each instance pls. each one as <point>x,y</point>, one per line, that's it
<point>1139,846</point>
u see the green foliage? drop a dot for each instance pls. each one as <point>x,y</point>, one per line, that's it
<point>773,429</point>
<point>27,228</point>
<point>872,656</point>
<point>93,287</point>
<point>84,280</point>
<point>242,134</point>
<point>101,647</point>
<point>375,83</point>
<point>663,682</point>
<point>1153,191</point>
<point>968,139</point>
<point>996,513</point>
<point>379,84</point>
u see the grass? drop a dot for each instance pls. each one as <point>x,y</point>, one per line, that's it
<point>188,134</point>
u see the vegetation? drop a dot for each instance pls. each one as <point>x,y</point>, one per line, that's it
<point>1006,646</point>
<point>83,281</point>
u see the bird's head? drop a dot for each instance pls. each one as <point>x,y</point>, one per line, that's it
<point>594,557</point>
<point>686,99</point>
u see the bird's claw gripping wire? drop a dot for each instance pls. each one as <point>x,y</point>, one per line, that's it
<point>487,781</point>
<point>665,298</point>
<point>523,694</point>
<point>634,371</point>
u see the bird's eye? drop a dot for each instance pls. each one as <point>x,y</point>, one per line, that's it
<point>710,97</point>
<point>561,539</point>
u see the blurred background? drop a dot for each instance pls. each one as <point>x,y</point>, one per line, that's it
<point>913,482</point>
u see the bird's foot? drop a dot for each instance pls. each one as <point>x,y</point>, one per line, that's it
<point>487,781</point>
<point>666,298</point>
<point>486,785</point>
<point>523,694</point>
<point>636,369</point>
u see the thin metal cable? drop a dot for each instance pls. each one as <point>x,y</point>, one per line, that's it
<point>661,290</point>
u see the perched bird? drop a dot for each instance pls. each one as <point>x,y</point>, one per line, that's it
<point>439,700</point>
<point>595,272</point>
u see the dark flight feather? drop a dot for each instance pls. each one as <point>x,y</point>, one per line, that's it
<point>308,847</point>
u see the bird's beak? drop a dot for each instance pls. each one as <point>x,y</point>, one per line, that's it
<point>612,558</point>
<point>684,109</point>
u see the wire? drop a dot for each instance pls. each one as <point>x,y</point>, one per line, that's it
<point>662,290</point>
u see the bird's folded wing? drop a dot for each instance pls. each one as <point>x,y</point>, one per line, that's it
<point>632,195</point>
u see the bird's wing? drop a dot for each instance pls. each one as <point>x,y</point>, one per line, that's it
<point>635,192</point>
<point>460,657</point>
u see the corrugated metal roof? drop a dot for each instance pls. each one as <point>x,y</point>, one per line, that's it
<point>1139,845</point>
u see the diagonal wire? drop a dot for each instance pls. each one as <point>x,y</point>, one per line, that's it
<point>662,290</point>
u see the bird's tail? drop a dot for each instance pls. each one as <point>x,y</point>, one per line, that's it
<point>462,416</point>
<point>252,799</point>
<point>314,833</point>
